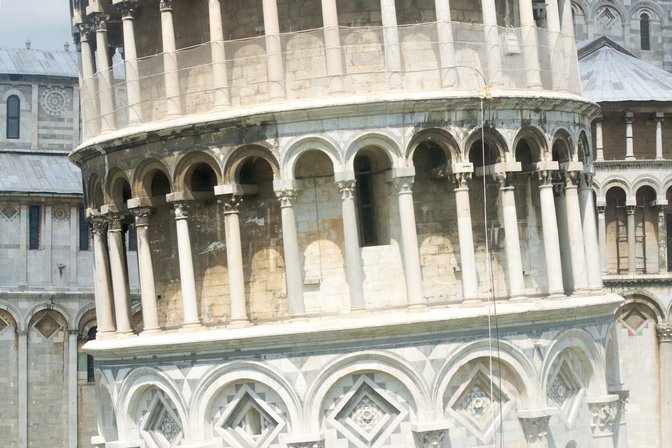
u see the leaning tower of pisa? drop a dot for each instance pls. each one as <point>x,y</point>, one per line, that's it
<point>357,223</point>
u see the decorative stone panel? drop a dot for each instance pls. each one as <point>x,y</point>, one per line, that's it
<point>604,411</point>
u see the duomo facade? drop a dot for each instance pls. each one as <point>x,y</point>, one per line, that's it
<point>367,224</point>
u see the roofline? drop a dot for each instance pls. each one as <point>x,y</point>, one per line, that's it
<point>602,41</point>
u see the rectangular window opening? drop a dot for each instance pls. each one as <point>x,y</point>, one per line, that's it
<point>34,217</point>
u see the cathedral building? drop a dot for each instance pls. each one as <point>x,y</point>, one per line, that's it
<point>359,224</point>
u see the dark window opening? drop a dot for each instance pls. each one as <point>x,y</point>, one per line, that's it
<point>203,179</point>
<point>365,202</point>
<point>83,230</point>
<point>644,32</point>
<point>34,212</point>
<point>90,367</point>
<point>13,116</point>
<point>132,239</point>
<point>160,185</point>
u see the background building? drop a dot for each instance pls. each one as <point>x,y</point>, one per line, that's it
<point>326,199</point>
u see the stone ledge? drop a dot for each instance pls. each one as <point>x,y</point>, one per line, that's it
<point>351,328</point>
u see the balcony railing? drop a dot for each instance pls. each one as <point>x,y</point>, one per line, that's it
<point>366,61</point>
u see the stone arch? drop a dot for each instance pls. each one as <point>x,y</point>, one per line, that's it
<point>85,315</point>
<point>492,138</point>
<point>441,137</point>
<point>584,153</point>
<point>618,182</point>
<point>115,188</point>
<point>216,379</point>
<point>95,193</point>
<point>620,8</point>
<point>581,342</point>
<point>188,163</point>
<point>645,298</point>
<point>507,354</point>
<point>537,137</point>
<point>584,7</point>
<point>323,144</point>
<point>646,180</point>
<point>665,186</point>
<point>648,6</point>
<point>143,176</point>
<point>241,154</point>
<point>50,306</point>
<point>384,142</point>
<point>375,361</point>
<point>565,137</point>
<point>12,311</point>
<point>131,391</point>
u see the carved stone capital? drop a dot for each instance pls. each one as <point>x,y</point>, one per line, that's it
<point>586,180</point>
<point>313,444</point>
<point>117,222</point>
<point>98,225</point>
<point>432,438</point>
<point>535,429</point>
<point>404,184</point>
<point>85,28</point>
<point>127,9</point>
<point>461,180</point>
<point>664,331</point>
<point>347,188</point>
<point>601,209</point>
<point>142,215</point>
<point>545,177</point>
<point>571,178</point>
<point>231,203</point>
<point>100,20</point>
<point>604,413</point>
<point>181,210</point>
<point>630,209</point>
<point>286,197</point>
<point>166,5</point>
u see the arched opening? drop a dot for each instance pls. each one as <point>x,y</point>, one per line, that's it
<point>483,154</point>
<point>644,32</point>
<point>560,151</point>
<point>646,223</point>
<point>96,195</point>
<point>121,192</point>
<point>13,117</point>
<point>617,232</point>
<point>201,179</point>
<point>372,197</point>
<point>159,186</point>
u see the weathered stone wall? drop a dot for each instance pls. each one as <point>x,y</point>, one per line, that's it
<point>9,381</point>
<point>86,410</point>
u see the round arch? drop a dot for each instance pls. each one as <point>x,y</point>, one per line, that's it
<point>492,137</point>
<point>311,143</point>
<point>508,354</point>
<point>219,377</point>
<point>50,306</point>
<point>388,146</point>
<point>114,187</point>
<point>141,181</point>
<point>647,181</point>
<point>441,137</point>
<point>239,155</point>
<point>617,6</point>
<point>188,162</point>
<point>563,135</point>
<point>18,320</point>
<point>84,314</point>
<point>377,361</point>
<point>536,136</point>
<point>657,13</point>
<point>94,191</point>
<point>646,299</point>
<point>621,183</point>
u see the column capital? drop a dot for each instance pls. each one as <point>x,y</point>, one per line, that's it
<point>570,178</point>
<point>181,210</point>
<point>85,28</point>
<point>231,203</point>
<point>630,209</point>
<point>166,5</point>
<point>347,188</point>
<point>431,438</point>
<point>142,215</point>
<point>545,178</point>
<point>116,222</point>
<point>629,117</point>
<point>286,197</point>
<point>604,412</point>
<point>664,331</point>
<point>535,429</point>
<point>461,180</point>
<point>100,21</point>
<point>305,444</point>
<point>586,181</point>
<point>601,209</point>
<point>404,184</point>
<point>505,179</point>
<point>98,225</point>
<point>128,9</point>
<point>659,117</point>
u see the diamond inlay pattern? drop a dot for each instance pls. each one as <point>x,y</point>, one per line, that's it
<point>9,212</point>
<point>479,400</point>
<point>564,388</point>
<point>47,326</point>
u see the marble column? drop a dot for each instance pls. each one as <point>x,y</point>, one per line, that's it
<point>444,28</point>
<point>492,51</point>
<point>290,242</point>
<point>218,54</point>
<point>555,44</point>
<point>575,232</point>
<point>101,279</point>
<point>571,64</point>
<point>353,257</point>
<point>332,45</point>
<point>119,271</point>
<point>664,333</point>
<point>187,280</point>
<point>234,259</point>
<point>72,388</point>
<point>170,67</point>
<point>276,76</point>
<point>128,10</point>
<point>632,243</point>
<point>23,387</point>
<point>528,30</point>
<point>106,92</point>
<point>599,142</point>
<point>549,225</point>
<point>409,242</point>
<point>590,242</point>
<point>89,85</point>
<point>513,258</point>
<point>602,236</point>
<point>662,239</point>
<point>393,67</point>
<point>465,235</point>
<point>659,135</point>
<point>150,317</point>
<point>629,141</point>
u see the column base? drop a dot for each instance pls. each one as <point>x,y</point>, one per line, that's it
<point>416,306</point>
<point>239,323</point>
<point>124,334</point>
<point>630,158</point>
<point>517,297</point>
<point>190,326</point>
<point>556,295</point>
<point>150,331</point>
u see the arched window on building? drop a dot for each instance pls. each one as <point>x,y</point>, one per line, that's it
<point>372,196</point>
<point>644,32</point>
<point>13,116</point>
